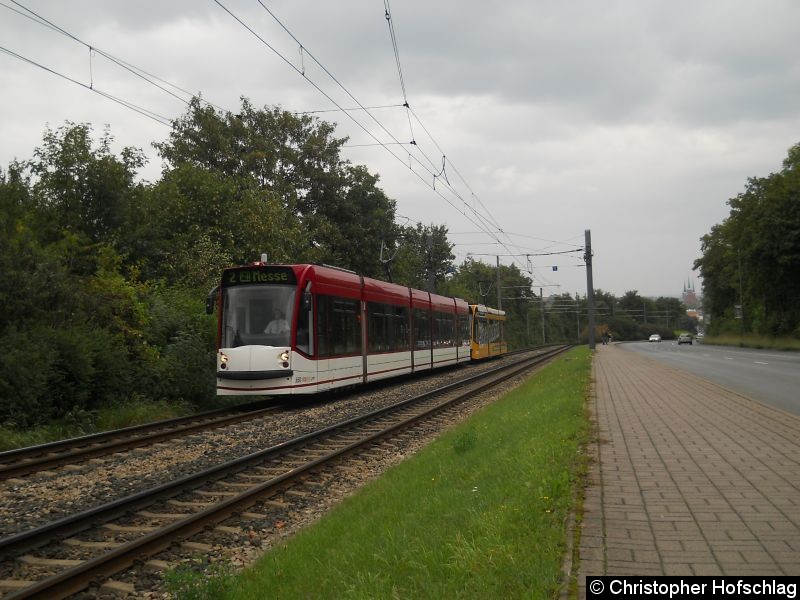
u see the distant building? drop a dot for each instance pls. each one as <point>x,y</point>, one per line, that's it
<point>689,297</point>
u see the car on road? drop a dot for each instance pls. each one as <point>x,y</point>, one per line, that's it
<point>655,338</point>
<point>685,338</point>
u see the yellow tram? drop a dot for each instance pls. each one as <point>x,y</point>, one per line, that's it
<point>486,327</point>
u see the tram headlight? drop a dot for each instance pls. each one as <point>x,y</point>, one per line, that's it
<point>223,361</point>
<point>284,356</point>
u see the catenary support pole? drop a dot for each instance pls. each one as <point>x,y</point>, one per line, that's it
<point>499,294</point>
<point>589,286</point>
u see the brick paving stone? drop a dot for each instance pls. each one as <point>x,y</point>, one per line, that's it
<point>707,569</point>
<point>670,545</point>
<point>687,477</point>
<point>678,568</point>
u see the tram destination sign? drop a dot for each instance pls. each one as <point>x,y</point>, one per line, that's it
<point>259,276</point>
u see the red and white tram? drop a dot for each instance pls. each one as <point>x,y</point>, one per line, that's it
<point>303,329</point>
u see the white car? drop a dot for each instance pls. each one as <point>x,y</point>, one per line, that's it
<point>685,338</point>
<point>655,338</point>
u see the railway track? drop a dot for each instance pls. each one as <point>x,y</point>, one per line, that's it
<point>24,461</point>
<point>33,459</point>
<point>68,555</point>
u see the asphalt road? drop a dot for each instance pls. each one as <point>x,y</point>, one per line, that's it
<point>770,376</point>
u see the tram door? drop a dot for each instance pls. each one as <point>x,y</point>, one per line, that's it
<point>322,335</point>
<point>308,367</point>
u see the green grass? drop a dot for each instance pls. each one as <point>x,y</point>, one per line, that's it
<point>79,422</point>
<point>479,513</point>
<point>752,340</point>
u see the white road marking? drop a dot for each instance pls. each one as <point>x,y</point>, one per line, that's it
<point>758,362</point>
<point>728,358</point>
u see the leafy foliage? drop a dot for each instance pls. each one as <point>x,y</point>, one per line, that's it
<point>102,277</point>
<point>753,257</point>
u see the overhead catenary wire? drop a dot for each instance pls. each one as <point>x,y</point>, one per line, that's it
<point>438,174</point>
<point>347,113</point>
<point>409,111</point>
<point>332,77</point>
<point>130,105</point>
<point>355,108</point>
<point>146,76</point>
<point>434,174</point>
<point>139,72</point>
<point>393,36</point>
<point>153,79</point>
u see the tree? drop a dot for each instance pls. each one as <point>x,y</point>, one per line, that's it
<point>413,259</point>
<point>79,188</point>
<point>360,212</point>
<point>320,203</point>
<point>753,257</point>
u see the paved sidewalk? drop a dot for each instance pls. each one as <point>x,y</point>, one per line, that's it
<point>688,478</point>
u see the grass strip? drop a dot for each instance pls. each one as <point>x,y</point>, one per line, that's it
<point>481,512</point>
<point>752,340</point>
<point>82,422</point>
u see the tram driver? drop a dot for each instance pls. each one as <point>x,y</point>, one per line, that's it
<point>278,324</point>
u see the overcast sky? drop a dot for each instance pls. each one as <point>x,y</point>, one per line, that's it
<point>635,119</point>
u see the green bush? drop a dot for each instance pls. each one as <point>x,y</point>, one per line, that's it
<point>25,369</point>
<point>49,374</point>
<point>183,336</point>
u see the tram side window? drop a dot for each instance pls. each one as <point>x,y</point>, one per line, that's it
<point>304,341</point>
<point>388,327</point>
<point>444,331</point>
<point>422,329</point>
<point>491,331</point>
<point>323,327</point>
<point>484,330</point>
<point>462,330</point>
<point>338,326</point>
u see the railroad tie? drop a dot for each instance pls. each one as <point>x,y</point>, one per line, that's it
<point>236,486</point>
<point>373,455</point>
<point>296,493</point>
<point>157,565</point>
<point>111,527</point>
<point>215,494</point>
<point>253,516</point>
<point>48,562</point>
<point>255,477</point>
<point>76,543</point>
<point>199,505</point>
<point>151,515</point>
<point>11,585</point>
<point>270,470</point>
<point>197,546</point>
<point>226,529</point>
<point>118,588</point>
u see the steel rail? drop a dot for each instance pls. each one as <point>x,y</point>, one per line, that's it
<point>75,523</point>
<point>77,578</point>
<point>30,460</point>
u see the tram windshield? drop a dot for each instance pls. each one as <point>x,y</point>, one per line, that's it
<point>257,315</point>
